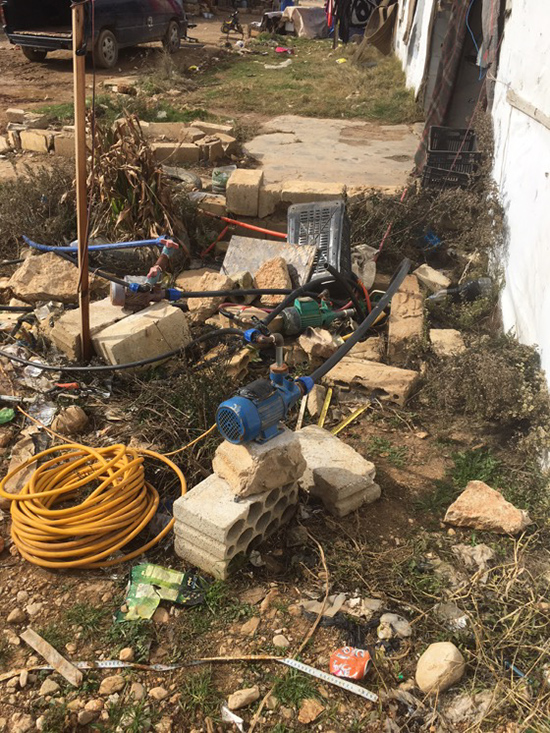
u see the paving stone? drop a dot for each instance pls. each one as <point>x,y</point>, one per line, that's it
<point>406,321</point>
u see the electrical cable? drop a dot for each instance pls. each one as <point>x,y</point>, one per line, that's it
<point>365,325</point>
<point>119,367</point>
<point>117,504</point>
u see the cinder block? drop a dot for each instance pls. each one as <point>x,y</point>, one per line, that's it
<point>64,145</point>
<point>257,467</point>
<point>406,321</point>
<point>304,192</point>
<point>212,527</point>
<point>213,128</point>
<point>38,141</point>
<point>243,191</point>
<point>151,332</point>
<point>340,477</point>
<point>173,153</point>
<point>65,334</point>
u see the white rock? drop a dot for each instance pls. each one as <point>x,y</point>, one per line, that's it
<point>17,616</point>
<point>481,507</point>
<point>22,723</point>
<point>85,717</point>
<point>242,698</point>
<point>158,693</point>
<point>432,279</point>
<point>112,684</point>
<point>137,691</point>
<point>280,641</point>
<point>48,687</point>
<point>439,667</point>
<point>126,654</point>
<point>391,624</point>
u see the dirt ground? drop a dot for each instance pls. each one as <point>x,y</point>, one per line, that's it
<point>396,553</point>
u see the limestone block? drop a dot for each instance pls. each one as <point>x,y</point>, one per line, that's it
<point>406,318</point>
<point>304,192</point>
<point>389,383</point>
<point>213,128</point>
<point>46,277</point>
<point>170,131</point>
<point>213,203</point>
<point>38,141</point>
<point>15,115</point>
<point>64,145</point>
<point>65,333</point>
<point>212,151</point>
<point>370,349</point>
<point>432,279</point>
<point>335,472</point>
<point>243,191</point>
<point>157,329</point>
<point>202,308</point>
<point>4,144</point>
<point>270,198</point>
<point>173,153</point>
<point>481,507</point>
<point>257,467</point>
<point>190,279</point>
<point>447,341</point>
<point>273,274</point>
<point>212,526</point>
<point>230,144</point>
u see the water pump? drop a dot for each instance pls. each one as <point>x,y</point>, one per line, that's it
<point>308,312</point>
<point>256,411</point>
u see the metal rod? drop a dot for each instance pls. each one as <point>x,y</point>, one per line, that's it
<point>79,74</point>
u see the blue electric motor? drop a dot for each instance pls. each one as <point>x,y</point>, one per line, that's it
<point>256,410</point>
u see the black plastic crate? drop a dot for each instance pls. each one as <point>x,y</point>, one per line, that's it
<point>440,178</point>
<point>459,162</point>
<point>451,139</point>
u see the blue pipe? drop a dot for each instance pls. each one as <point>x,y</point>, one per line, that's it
<point>97,247</point>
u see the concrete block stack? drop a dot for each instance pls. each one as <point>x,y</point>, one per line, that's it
<point>252,492</point>
<point>336,474</point>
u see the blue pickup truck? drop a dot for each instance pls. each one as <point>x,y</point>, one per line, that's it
<point>39,26</point>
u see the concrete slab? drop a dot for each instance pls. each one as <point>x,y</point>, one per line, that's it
<point>338,151</point>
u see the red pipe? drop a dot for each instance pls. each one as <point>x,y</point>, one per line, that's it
<point>236,223</point>
<point>220,236</point>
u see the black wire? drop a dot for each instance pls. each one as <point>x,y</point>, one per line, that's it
<point>119,367</point>
<point>17,308</point>
<point>366,324</point>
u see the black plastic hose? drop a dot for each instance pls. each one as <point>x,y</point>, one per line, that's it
<point>349,290</point>
<point>17,308</point>
<point>331,362</point>
<point>289,300</point>
<point>130,365</point>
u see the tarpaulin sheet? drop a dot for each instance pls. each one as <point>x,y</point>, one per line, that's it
<point>308,22</point>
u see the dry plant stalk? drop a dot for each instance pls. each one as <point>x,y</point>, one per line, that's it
<point>131,194</point>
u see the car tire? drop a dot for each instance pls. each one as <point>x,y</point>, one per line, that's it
<point>171,40</point>
<point>106,49</point>
<point>34,54</point>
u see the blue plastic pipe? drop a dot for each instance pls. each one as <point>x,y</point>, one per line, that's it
<point>97,247</point>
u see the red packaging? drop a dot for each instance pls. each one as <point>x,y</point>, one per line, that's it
<point>350,662</point>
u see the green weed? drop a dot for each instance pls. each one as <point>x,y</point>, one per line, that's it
<point>138,634</point>
<point>396,455</point>
<point>199,693</point>
<point>475,465</point>
<point>293,687</point>
<point>54,718</point>
<point>87,617</point>
<point>6,653</point>
<point>57,634</point>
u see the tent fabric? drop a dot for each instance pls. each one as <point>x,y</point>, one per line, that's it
<point>309,22</point>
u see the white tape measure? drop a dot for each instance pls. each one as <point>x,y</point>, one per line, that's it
<point>330,678</point>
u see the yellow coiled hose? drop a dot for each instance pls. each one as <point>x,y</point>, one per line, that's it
<point>117,504</point>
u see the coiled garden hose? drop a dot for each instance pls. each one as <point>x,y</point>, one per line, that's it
<point>115,504</point>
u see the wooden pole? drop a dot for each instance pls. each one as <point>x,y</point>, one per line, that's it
<point>79,73</point>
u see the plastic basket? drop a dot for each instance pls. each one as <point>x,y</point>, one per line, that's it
<point>440,178</point>
<point>451,139</point>
<point>324,224</point>
<point>459,162</point>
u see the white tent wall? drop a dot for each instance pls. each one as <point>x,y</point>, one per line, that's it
<point>522,171</point>
<point>412,38</point>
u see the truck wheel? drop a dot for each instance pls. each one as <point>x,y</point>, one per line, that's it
<point>106,49</point>
<point>34,54</point>
<point>171,40</point>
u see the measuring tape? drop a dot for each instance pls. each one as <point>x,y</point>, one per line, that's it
<point>330,678</point>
